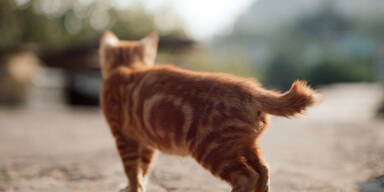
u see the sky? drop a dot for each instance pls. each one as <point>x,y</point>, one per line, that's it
<point>202,19</point>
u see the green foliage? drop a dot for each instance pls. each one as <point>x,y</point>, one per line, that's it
<point>282,70</point>
<point>342,69</point>
<point>345,50</point>
<point>201,60</point>
<point>54,25</point>
<point>322,46</point>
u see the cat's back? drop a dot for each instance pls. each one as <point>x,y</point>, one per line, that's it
<point>200,89</point>
<point>172,81</point>
<point>181,82</point>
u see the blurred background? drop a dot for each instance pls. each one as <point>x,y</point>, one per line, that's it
<point>52,44</point>
<point>51,129</point>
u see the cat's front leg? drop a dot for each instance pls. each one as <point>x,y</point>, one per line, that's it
<point>129,151</point>
<point>146,157</point>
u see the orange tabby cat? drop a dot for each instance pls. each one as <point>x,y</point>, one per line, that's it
<point>215,118</point>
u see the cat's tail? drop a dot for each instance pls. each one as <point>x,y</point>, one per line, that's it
<point>290,103</point>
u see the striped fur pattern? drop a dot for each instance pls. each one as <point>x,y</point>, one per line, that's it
<point>215,118</point>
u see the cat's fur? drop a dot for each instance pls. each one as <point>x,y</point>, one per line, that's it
<point>215,118</point>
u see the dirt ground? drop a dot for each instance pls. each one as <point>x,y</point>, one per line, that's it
<point>334,147</point>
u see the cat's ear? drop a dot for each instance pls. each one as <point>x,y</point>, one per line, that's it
<point>106,41</point>
<point>149,44</point>
<point>109,39</point>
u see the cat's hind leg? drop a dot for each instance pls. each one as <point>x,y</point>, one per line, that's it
<point>252,155</point>
<point>223,158</point>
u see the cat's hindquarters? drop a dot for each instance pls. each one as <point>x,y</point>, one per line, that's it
<point>294,101</point>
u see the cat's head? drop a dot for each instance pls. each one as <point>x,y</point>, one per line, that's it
<point>114,53</point>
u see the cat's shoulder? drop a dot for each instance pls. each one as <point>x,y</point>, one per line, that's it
<point>166,68</point>
<point>118,76</point>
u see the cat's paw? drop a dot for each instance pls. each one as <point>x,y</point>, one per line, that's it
<point>128,189</point>
<point>125,189</point>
